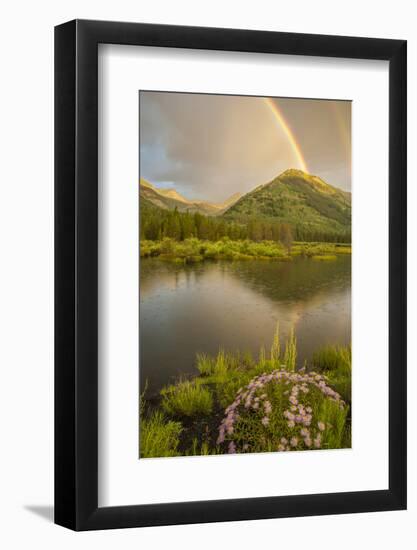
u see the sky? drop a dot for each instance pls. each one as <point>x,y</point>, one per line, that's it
<point>209,147</point>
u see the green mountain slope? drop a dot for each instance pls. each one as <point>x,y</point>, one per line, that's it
<point>297,198</point>
<point>147,207</point>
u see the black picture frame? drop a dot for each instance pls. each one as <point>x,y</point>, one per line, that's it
<point>76,272</point>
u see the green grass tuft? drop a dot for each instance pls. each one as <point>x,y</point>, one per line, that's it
<point>290,356</point>
<point>276,347</point>
<point>159,437</point>
<point>334,418</point>
<point>187,398</point>
<point>205,364</point>
<point>336,363</point>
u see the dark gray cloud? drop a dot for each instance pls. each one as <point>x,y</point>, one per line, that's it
<point>209,146</point>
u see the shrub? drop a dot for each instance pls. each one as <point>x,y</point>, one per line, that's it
<point>167,246</point>
<point>284,411</point>
<point>149,249</point>
<point>187,398</point>
<point>159,437</point>
<point>195,250</point>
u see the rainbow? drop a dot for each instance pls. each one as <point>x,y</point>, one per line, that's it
<point>288,132</point>
<point>341,123</point>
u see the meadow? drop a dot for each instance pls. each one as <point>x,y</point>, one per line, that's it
<point>196,250</point>
<point>241,404</point>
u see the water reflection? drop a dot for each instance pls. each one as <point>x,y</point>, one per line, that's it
<point>236,305</point>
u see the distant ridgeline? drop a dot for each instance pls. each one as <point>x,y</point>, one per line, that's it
<point>296,202</point>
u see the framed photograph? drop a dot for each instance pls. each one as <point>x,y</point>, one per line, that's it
<point>230,284</point>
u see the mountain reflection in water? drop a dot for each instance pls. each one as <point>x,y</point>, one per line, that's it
<point>187,309</point>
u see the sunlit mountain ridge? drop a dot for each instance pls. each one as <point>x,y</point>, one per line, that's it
<point>169,199</point>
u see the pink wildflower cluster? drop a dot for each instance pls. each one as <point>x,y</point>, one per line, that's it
<point>297,415</point>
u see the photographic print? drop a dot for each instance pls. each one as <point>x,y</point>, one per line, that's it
<point>245,274</point>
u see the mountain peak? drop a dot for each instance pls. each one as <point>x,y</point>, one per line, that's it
<point>297,198</point>
<point>295,172</point>
<point>296,177</point>
<point>145,183</point>
<point>171,193</point>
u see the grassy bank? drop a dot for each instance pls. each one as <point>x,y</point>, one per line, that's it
<point>196,250</point>
<point>238,404</point>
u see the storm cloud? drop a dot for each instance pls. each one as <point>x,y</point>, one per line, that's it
<point>212,146</point>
